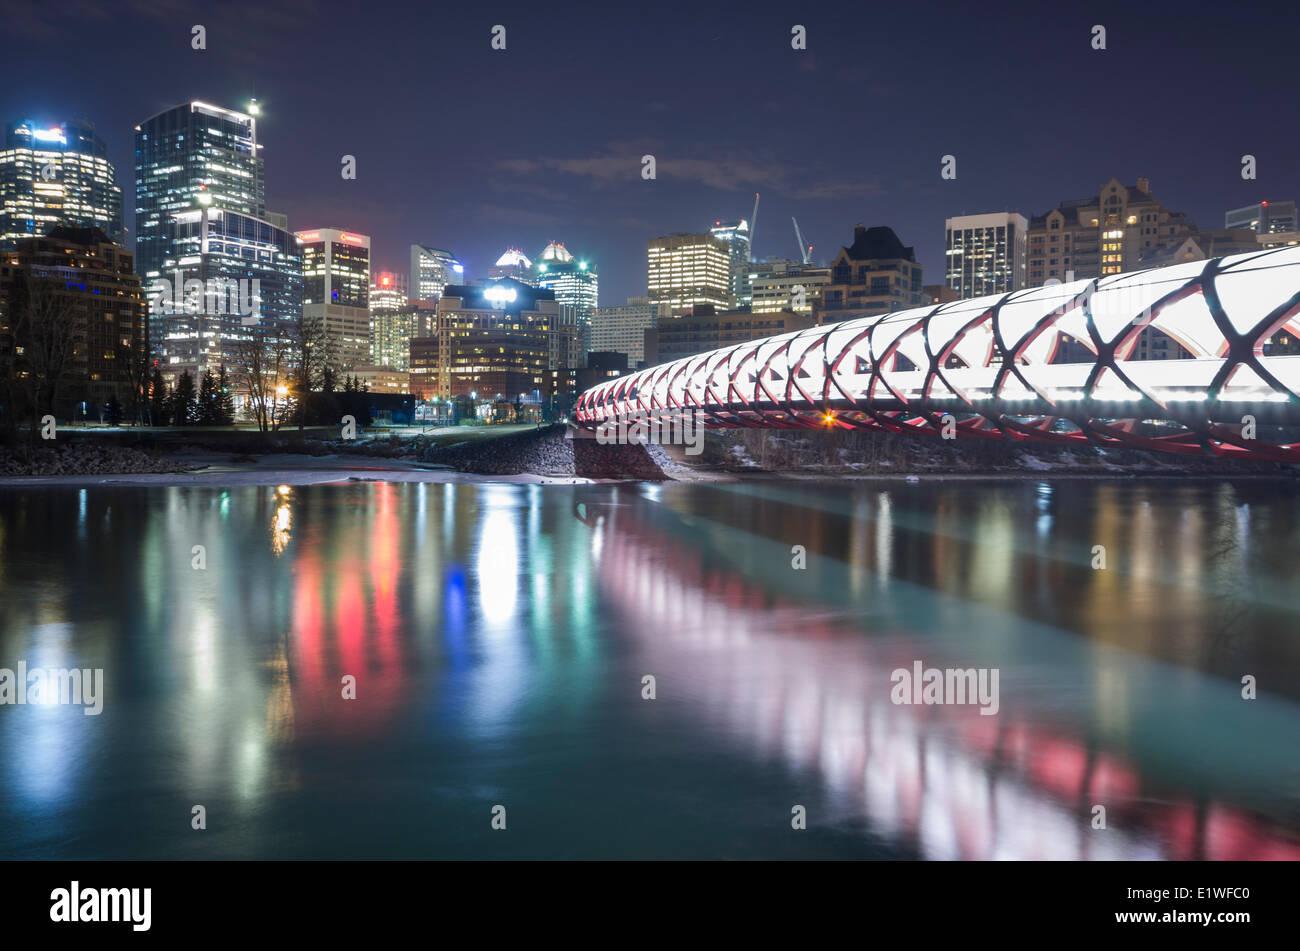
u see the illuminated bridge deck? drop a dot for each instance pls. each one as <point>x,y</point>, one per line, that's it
<point>1072,363</point>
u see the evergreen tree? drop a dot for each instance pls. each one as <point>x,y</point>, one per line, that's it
<point>184,401</point>
<point>206,411</point>
<point>157,399</point>
<point>225,400</point>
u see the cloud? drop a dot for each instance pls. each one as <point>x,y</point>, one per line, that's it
<point>520,217</point>
<point>729,173</point>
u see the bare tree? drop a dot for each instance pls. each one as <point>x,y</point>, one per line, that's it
<point>136,360</point>
<point>45,330</point>
<point>263,370</point>
<point>313,356</point>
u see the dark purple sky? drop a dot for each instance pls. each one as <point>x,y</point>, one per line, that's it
<point>472,149</point>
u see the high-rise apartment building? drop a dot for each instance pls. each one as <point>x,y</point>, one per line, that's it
<point>336,290</point>
<point>1106,234</point>
<point>388,292</point>
<point>58,175</point>
<point>685,270</point>
<point>392,321</point>
<point>432,269</point>
<point>986,254</point>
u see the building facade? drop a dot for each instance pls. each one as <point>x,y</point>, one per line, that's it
<point>391,321</point>
<point>204,237</point>
<point>707,330</point>
<point>432,269</point>
<point>77,291</point>
<point>515,265</point>
<point>986,254</point>
<point>798,290</point>
<point>503,340</point>
<point>687,270</point>
<point>939,294</point>
<point>336,291</point>
<point>737,235</point>
<point>875,274</point>
<point>574,281</point>
<point>1264,217</point>
<point>621,329</point>
<point>58,175</point>
<point>383,379</point>
<point>1106,234</point>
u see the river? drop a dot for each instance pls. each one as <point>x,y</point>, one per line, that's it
<point>654,671</point>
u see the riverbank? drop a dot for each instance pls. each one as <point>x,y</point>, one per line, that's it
<point>557,454</point>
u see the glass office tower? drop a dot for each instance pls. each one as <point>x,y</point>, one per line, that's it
<point>574,282</point>
<point>201,223</point>
<point>56,175</point>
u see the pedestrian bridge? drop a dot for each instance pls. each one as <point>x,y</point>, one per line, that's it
<point>1202,357</point>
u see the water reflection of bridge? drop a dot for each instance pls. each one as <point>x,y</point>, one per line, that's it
<point>1186,359</point>
<point>806,689</point>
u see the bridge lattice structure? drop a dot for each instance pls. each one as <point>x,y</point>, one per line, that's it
<point>1066,363</point>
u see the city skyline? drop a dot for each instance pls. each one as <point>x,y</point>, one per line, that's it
<point>552,179</point>
<point>648,433</point>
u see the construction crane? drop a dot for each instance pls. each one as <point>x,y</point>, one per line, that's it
<point>805,250</point>
<point>753,226</point>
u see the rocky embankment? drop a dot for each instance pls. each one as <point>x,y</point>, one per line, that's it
<point>757,452</point>
<point>556,451</point>
<point>553,451</point>
<point>82,459</point>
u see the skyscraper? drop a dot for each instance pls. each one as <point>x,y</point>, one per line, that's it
<point>683,270</point>
<point>736,234</point>
<point>574,282</point>
<point>513,264</point>
<point>59,175</point>
<point>392,322</point>
<point>388,292</point>
<point>432,269</point>
<point>215,267</point>
<point>986,254</point>
<point>336,290</point>
<point>190,151</point>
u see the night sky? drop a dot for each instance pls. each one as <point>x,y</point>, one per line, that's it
<point>464,147</point>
